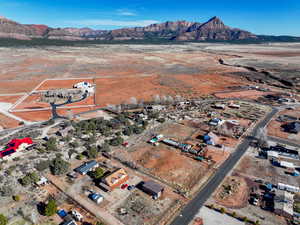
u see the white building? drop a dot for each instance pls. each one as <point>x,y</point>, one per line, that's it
<point>85,87</point>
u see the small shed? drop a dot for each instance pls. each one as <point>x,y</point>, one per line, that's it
<point>96,197</point>
<point>152,188</point>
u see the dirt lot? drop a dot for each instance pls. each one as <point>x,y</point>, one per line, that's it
<point>7,122</point>
<point>121,89</point>
<point>10,99</point>
<point>239,193</point>
<point>141,209</point>
<point>61,83</point>
<point>249,94</point>
<point>20,86</point>
<point>170,165</point>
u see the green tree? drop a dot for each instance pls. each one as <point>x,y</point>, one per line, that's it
<point>3,220</point>
<point>116,141</point>
<point>80,156</point>
<point>98,173</point>
<point>92,153</point>
<point>51,144</point>
<point>29,178</point>
<point>59,166</point>
<point>50,208</point>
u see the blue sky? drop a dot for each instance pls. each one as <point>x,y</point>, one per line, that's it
<point>272,17</point>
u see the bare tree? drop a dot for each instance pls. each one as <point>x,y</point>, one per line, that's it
<point>170,99</point>
<point>157,99</point>
<point>178,98</point>
<point>133,101</point>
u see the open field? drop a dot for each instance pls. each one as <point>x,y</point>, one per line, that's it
<point>249,94</point>
<point>7,122</point>
<point>43,115</point>
<point>170,165</point>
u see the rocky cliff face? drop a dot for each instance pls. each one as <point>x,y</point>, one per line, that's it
<point>214,29</point>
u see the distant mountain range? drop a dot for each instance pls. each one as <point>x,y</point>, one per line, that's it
<point>213,29</point>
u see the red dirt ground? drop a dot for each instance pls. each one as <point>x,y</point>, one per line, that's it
<point>56,84</point>
<point>7,122</point>
<point>33,102</point>
<point>217,154</point>
<point>36,116</point>
<point>249,94</point>
<point>121,89</point>
<point>237,199</point>
<point>10,99</point>
<point>11,87</point>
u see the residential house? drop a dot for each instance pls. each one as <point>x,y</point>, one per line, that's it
<point>87,167</point>
<point>152,188</point>
<point>16,145</point>
<point>114,179</point>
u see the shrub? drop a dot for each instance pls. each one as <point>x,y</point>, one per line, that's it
<point>80,156</point>
<point>42,165</point>
<point>98,173</point>
<point>3,220</point>
<point>29,178</point>
<point>59,166</point>
<point>16,198</point>
<point>222,210</point>
<point>50,208</point>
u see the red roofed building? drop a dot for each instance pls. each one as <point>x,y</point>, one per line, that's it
<point>16,145</point>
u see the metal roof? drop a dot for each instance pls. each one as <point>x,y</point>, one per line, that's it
<point>153,186</point>
<point>86,167</point>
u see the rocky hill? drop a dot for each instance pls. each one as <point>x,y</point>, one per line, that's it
<point>213,29</point>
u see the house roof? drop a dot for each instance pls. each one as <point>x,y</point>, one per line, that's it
<point>115,176</point>
<point>153,186</point>
<point>14,145</point>
<point>87,166</point>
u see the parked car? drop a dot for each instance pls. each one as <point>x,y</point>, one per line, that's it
<point>124,186</point>
<point>131,187</point>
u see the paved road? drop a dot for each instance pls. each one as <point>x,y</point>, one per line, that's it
<point>192,208</point>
